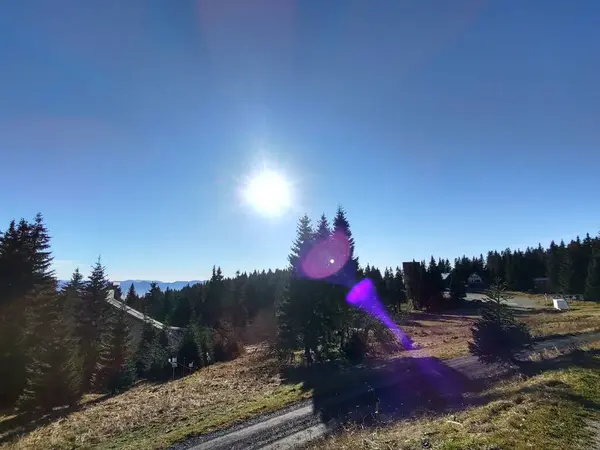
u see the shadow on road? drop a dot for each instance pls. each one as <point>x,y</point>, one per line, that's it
<point>409,387</point>
<point>404,387</point>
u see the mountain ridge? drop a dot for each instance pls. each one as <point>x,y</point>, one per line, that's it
<point>143,286</point>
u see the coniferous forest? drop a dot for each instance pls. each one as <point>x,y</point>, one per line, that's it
<point>57,344</point>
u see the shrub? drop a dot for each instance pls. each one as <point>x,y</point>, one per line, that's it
<point>498,335</point>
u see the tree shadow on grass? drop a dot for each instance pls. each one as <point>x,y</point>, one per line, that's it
<point>26,422</point>
<point>378,392</point>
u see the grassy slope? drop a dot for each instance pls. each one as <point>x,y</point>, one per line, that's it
<point>553,410</point>
<point>148,417</point>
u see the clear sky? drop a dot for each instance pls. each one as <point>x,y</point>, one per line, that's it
<point>443,127</point>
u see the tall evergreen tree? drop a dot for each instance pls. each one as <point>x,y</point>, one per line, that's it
<point>25,261</point>
<point>592,283</point>
<point>567,273</point>
<point>143,354</point>
<point>159,368</point>
<point>52,368</point>
<point>114,369</point>
<point>399,291</point>
<point>93,321</point>
<point>131,299</point>
<point>295,312</point>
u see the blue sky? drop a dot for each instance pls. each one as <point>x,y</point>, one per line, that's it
<point>442,127</point>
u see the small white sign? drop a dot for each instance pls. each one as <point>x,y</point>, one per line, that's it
<point>560,304</point>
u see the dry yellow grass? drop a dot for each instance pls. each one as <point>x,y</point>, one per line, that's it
<point>582,317</point>
<point>443,336</point>
<point>154,416</point>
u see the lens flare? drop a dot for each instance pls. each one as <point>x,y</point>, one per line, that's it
<point>364,296</point>
<point>326,258</point>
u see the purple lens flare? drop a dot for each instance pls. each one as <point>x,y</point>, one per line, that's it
<point>326,258</point>
<point>364,296</point>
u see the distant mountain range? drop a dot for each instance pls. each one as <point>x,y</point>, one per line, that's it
<point>143,286</point>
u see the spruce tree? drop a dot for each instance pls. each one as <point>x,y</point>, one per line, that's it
<point>399,291</point>
<point>326,312</point>
<point>114,370</point>
<point>93,321</point>
<point>53,367</point>
<point>131,299</point>
<point>294,312</point>
<point>159,368</point>
<point>188,351</point>
<point>143,354</point>
<point>567,273</point>
<point>553,263</point>
<point>345,279</point>
<point>592,283</point>
<point>15,281</point>
<point>498,335</point>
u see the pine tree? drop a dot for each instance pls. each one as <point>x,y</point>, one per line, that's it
<point>294,312</point>
<point>567,273</point>
<point>159,368</point>
<point>93,321</point>
<point>399,290</point>
<point>143,354</point>
<point>53,367</point>
<point>153,302</point>
<point>189,351</point>
<point>498,335</point>
<point>114,370</point>
<point>345,279</point>
<point>553,261</point>
<point>132,298</point>
<point>458,292</point>
<point>15,281</point>
<point>592,283</point>
<point>73,293</point>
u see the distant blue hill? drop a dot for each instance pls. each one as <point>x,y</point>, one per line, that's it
<point>143,286</point>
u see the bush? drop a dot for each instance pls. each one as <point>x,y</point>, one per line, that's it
<point>355,348</point>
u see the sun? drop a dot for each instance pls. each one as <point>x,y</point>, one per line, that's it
<point>269,193</point>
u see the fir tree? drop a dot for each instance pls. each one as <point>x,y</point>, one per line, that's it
<point>52,370</point>
<point>131,299</point>
<point>592,283</point>
<point>294,312</point>
<point>53,367</point>
<point>498,335</point>
<point>159,368</point>
<point>567,273</point>
<point>143,354</point>
<point>189,351</point>
<point>114,370</point>
<point>93,321</point>
<point>399,291</point>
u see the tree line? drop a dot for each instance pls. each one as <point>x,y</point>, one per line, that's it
<point>56,344</point>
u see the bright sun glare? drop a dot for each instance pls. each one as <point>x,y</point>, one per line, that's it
<point>269,193</point>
